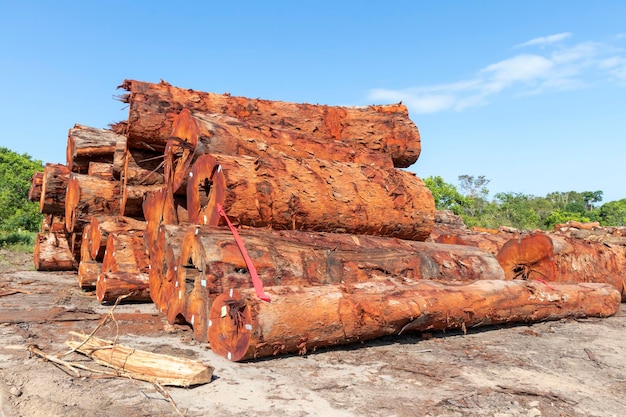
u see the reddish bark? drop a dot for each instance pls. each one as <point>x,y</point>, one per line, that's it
<point>52,252</point>
<point>54,184</point>
<point>36,183</point>
<point>87,144</point>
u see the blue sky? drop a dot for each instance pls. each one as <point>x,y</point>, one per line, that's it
<point>530,94</point>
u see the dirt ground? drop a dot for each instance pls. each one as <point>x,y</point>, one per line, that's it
<point>559,368</point>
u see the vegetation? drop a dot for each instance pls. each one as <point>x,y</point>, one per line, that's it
<point>19,218</point>
<point>519,210</point>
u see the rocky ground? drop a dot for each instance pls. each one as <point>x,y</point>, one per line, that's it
<point>560,368</point>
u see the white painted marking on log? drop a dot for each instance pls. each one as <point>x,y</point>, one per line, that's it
<point>229,356</point>
<point>205,219</point>
<point>192,319</point>
<point>210,323</point>
<point>203,282</point>
<point>175,268</point>
<point>219,168</point>
<point>223,311</point>
<point>180,295</point>
<point>191,174</point>
<point>176,284</point>
<point>231,293</point>
<point>249,327</point>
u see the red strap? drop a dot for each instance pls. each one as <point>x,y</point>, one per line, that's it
<point>258,284</point>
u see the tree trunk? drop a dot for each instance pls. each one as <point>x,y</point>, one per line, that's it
<point>555,258</point>
<point>87,144</point>
<point>208,262</point>
<point>312,194</point>
<point>87,197</point>
<point>301,319</point>
<point>386,129</point>
<point>102,170</point>
<point>88,273</point>
<point>134,287</point>
<point>490,242</point>
<point>36,182</point>
<point>52,252</point>
<point>54,184</point>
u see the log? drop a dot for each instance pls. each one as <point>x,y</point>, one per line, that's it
<point>54,184</point>
<point>101,227</point>
<point>87,197</point>
<point>138,167</point>
<point>88,144</point>
<point>133,287</point>
<point>383,128</point>
<point>301,319</point>
<point>164,261</point>
<point>139,364</point>
<point>554,258</point>
<point>101,170</point>
<point>125,253</point>
<point>36,183</point>
<point>311,194</point>
<point>53,223</point>
<point>88,273</point>
<point>52,252</point>
<point>219,134</point>
<point>208,262</point>
<point>490,242</point>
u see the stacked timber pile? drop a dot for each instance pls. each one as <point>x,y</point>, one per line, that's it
<point>276,227</point>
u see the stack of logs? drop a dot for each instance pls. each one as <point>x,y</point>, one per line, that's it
<point>332,241</point>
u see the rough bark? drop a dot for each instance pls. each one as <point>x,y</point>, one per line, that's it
<point>385,128</point>
<point>286,193</point>
<point>52,252</point>
<point>133,287</point>
<point>490,242</point>
<point>101,227</point>
<point>555,258</point>
<point>208,262</point>
<point>88,273</point>
<point>301,319</point>
<point>55,180</point>
<point>125,253</point>
<point>138,167</point>
<point>101,170</point>
<point>36,183</point>
<point>87,144</point>
<point>87,197</point>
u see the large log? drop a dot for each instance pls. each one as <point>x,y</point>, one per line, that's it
<point>36,182</point>
<point>132,287</point>
<point>199,134</point>
<point>52,252</point>
<point>100,228</point>
<point>164,258</point>
<point>208,262</point>
<point>88,144</point>
<point>555,258</point>
<point>53,186</point>
<point>491,242</point>
<point>287,193</point>
<point>88,273</point>
<point>87,197</point>
<point>301,319</point>
<point>385,128</point>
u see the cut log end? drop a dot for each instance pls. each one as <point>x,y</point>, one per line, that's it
<point>206,190</point>
<point>528,257</point>
<point>230,326</point>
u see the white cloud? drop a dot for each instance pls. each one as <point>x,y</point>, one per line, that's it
<point>560,68</point>
<point>545,40</point>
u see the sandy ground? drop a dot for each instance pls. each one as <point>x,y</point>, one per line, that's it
<point>561,368</point>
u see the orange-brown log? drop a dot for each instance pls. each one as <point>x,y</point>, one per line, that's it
<point>85,247</point>
<point>52,252</point>
<point>301,319</point>
<point>132,286</point>
<point>87,197</point>
<point>218,134</point>
<point>53,223</point>
<point>54,184</point>
<point>88,144</point>
<point>138,167</point>
<point>103,170</point>
<point>209,262</point>
<point>287,193</point>
<point>164,260</point>
<point>125,253</point>
<point>100,228</point>
<point>490,242</point>
<point>88,273</point>
<point>556,258</point>
<point>382,128</point>
<point>36,182</point>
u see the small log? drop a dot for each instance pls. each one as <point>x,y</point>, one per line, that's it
<point>88,273</point>
<point>53,223</point>
<point>286,193</point>
<point>134,287</point>
<point>87,197</point>
<point>101,170</point>
<point>52,252</point>
<point>142,365</point>
<point>101,227</point>
<point>554,258</point>
<point>301,319</point>
<point>125,253</point>
<point>36,183</point>
<point>386,128</point>
<point>87,144</point>
<point>54,184</point>
<point>164,260</point>
<point>490,242</point>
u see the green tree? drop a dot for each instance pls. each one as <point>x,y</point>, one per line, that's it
<point>446,196</point>
<point>16,172</point>
<point>613,213</point>
<point>515,210</point>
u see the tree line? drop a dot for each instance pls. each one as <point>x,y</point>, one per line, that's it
<point>470,200</point>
